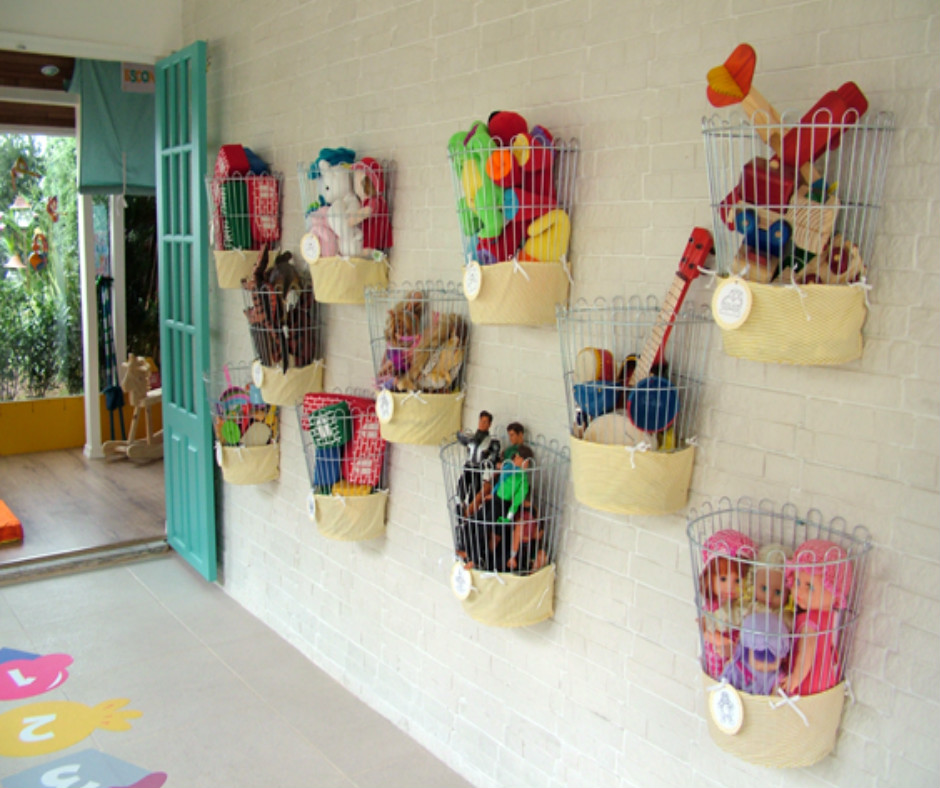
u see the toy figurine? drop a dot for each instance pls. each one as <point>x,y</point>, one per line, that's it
<point>756,664</point>
<point>766,586</point>
<point>516,434</point>
<point>528,551</point>
<point>720,589</point>
<point>819,577</point>
<point>482,454</point>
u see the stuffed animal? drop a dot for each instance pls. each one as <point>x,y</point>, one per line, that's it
<point>437,357</point>
<point>402,332</point>
<point>369,186</point>
<point>344,213</point>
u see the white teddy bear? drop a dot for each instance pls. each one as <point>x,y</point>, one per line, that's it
<point>345,212</point>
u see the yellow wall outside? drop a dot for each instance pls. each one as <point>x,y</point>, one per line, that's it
<point>58,423</point>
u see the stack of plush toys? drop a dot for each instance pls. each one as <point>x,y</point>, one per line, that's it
<point>241,417</point>
<point>281,312</point>
<point>614,410</point>
<point>348,450</point>
<point>498,527</point>
<point>349,215</point>
<point>423,352</point>
<point>783,205</point>
<point>508,203</point>
<point>771,620</point>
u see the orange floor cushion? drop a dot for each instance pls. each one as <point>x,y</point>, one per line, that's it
<point>11,529</point>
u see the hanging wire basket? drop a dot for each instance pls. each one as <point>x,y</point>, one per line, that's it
<point>778,597</point>
<point>246,212</point>
<point>515,192</point>
<point>506,502</point>
<point>348,236</point>
<point>420,340</point>
<point>246,428</point>
<point>795,208</point>
<point>346,460</point>
<point>633,373</point>
<point>283,321</point>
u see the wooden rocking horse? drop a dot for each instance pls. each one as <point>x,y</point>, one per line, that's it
<point>135,381</point>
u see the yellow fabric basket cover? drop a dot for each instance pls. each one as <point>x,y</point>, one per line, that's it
<point>613,479</point>
<point>777,329</point>
<point>250,464</point>
<point>340,280</point>
<point>520,294</point>
<point>506,600</point>
<point>423,418</point>
<point>233,265</point>
<point>353,518</point>
<point>288,388</point>
<point>776,735</point>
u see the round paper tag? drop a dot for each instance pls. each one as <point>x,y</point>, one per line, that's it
<point>310,248</point>
<point>472,280</point>
<point>724,704</point>
<point>218,453</point>
<point>460,580</point>
<point>385,406</point>
<point>257,373</point>
<point>731,303</point>
<point>311,506</point>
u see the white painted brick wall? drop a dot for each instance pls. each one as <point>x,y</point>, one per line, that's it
<point>607,693</point>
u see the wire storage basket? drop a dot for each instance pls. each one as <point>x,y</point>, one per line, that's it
<point>246,428</point>
<point>346,461</point>
<point>506,501</point>
<point>514,186</point>
<point>245,199</point>
<point>795,205</point>
<point>347,204</point>
<point>283,320</point>
<point>778,596</point>
<point>633,375</point>
<point>420,339</point>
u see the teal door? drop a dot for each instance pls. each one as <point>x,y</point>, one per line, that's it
<point>182,227</point>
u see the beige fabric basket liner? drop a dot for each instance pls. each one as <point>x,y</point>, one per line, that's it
<point>233,265</point>
<point>778,736</point>
<point>652,482</point>
<point>288,388</point>
<point>250,464</point>
<point>339,280</point>
<point>422,418</point>
<point>506,600</point>
<point>521,294</point>
<point>777,329</point>
<point>353,518</point>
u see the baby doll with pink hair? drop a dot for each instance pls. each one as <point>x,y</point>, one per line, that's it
<point>819,577</point>
<point>720,588</point>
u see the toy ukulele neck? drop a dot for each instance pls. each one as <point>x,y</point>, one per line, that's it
<point>694,256</point>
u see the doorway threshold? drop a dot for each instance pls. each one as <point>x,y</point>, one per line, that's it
<point>81,560</point>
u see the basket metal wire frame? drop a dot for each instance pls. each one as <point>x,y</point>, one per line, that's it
<point>519,533</point>
<point>780,557</point>
<point>284,325</point>
<point>347,447</point>
<point>236,406</point>
<point>374,181</point>
<point>521,223</point>
<point>246,210</point>
<point>600,342</point>
<point>419,336</point>
<point>793,223</point>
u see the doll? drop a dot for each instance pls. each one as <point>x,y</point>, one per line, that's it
<point>759,654</point>
<point>819,577</point>
<point>527,553</point>
<point>720,589</point>
<point>766,586</point>
<point>402,333</point>
<point>482,458</point>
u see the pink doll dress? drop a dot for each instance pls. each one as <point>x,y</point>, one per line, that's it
<point>728,620</point>
<point>824,672</point>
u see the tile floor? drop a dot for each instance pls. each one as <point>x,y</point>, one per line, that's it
<point>224,700</point>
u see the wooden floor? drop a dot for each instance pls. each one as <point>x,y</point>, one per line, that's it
<point>67,502</point>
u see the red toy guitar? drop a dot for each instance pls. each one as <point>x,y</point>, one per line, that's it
<point>654,402</point>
